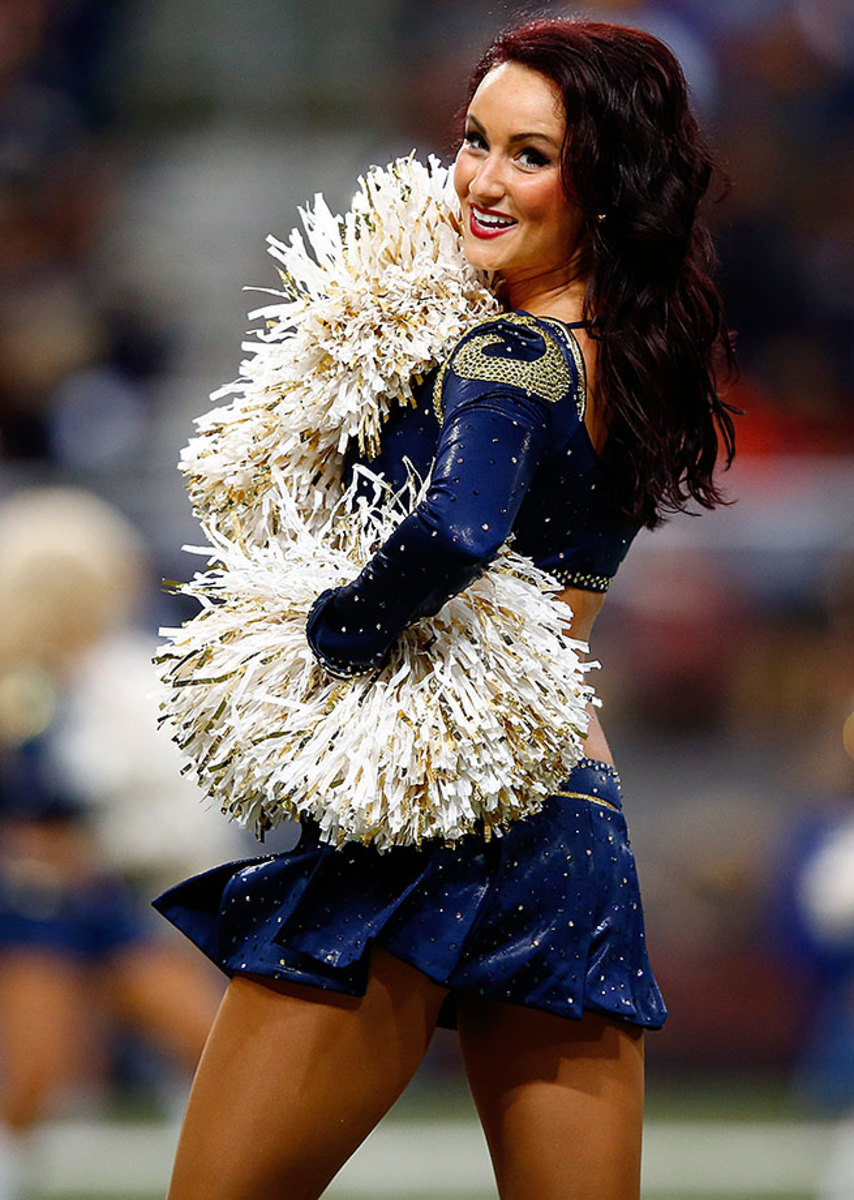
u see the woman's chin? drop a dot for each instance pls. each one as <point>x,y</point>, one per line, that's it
<point>478,255</point>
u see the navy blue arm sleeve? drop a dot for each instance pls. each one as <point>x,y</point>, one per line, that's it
<point>488,450</point>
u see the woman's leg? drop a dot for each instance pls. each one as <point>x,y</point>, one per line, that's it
<point>45,1041</point>
<point>45,1033</point>
<point>169,994</point>
<point>561,1101</point>
<point>293,1079</point>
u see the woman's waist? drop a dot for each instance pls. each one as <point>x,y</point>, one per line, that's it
<point>582,609</point>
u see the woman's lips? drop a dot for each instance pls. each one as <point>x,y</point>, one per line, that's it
<point>486,224</point>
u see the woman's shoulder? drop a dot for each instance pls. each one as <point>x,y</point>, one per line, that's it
<point>537,355</point>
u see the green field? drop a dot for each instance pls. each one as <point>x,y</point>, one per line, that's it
<point>735,1139</point>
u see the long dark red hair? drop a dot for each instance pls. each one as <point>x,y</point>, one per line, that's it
<point>637,165</point>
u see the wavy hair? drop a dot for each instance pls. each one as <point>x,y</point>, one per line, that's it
<point>637,165</point>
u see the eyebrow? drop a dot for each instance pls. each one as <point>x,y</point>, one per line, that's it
<point>516,137</point>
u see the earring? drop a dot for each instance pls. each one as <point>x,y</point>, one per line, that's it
<point>601,216</point>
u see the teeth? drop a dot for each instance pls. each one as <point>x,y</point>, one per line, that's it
<point>491,221</point>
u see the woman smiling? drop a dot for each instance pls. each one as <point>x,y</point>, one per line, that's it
<point>586,409</point>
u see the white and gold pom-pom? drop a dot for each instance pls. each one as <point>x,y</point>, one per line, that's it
<point>370,303</point>
<point>477,717</point>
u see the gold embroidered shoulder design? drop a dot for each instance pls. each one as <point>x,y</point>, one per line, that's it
<point>548,376</point>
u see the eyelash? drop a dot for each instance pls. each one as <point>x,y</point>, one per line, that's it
<point>473,139</point>
<point>538,156</point>
<point>476,141</point>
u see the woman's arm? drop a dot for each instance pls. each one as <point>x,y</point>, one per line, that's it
<point>492,438</point>
<point>486,456</point>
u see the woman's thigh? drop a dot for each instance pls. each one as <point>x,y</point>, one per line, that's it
<point>169,993</point>
<point>561,1101</point>
<point>45,1030</point>
<point>293,1079</point>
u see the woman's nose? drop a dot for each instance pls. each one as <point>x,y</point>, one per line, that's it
<point>488,181</point>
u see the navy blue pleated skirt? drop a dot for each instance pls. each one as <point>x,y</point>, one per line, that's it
<point>548,915</point>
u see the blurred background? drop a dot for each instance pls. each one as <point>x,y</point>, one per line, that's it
<point>146,150</point>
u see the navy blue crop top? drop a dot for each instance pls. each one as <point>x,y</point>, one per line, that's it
<point>502,423</point>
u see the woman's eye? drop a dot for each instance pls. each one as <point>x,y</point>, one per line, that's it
<point>529,157</point>
<point>474,140</point>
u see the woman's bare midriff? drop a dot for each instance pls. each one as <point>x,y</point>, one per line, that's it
<point>585,608</point>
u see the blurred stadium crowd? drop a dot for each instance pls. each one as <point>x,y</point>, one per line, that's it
<point>145,152</point>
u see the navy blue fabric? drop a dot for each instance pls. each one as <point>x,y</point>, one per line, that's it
<point>547,915</point>
<point>90,922</point>
<point>568,523</point>
<point>29,790</point>
<point>504,460</point>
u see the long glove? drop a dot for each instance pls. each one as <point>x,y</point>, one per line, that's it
<point>492,439</point>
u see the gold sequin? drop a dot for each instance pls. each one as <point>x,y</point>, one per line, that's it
<point>571,342</point>
<point>438,385</point>
<point>580,579</point>
<point>586,796</point>
<point>548,377</point>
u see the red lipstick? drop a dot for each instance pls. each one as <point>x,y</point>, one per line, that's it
<point>488,223</point>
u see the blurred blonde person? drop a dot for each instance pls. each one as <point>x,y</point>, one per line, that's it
<point>92,809</point>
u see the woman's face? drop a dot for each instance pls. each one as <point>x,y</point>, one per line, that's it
<point>516,217</point>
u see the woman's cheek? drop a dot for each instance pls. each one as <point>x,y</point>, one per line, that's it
<point>462,176</point>
<point>543,199</point>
